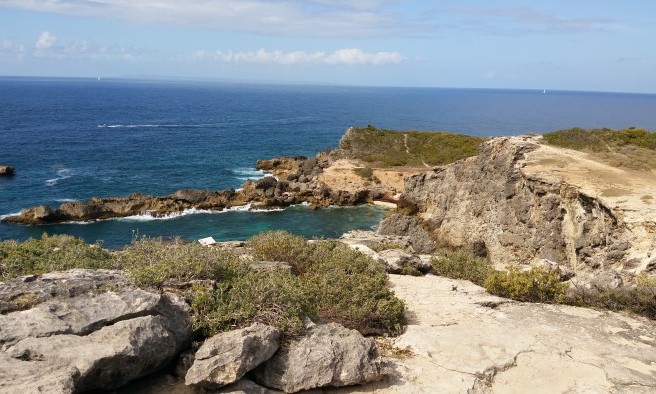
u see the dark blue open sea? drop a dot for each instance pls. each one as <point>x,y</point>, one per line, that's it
<point>72,139</point>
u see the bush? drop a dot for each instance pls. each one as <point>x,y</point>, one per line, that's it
<point>151,262</point>
<point>538,284</point>
<point>50,253</point>
<point>459,264</point>
<point>344,285</point>
<point>280,246</point>
<point>273,297</point>
<point>365,173</point>
<point>640,299</point>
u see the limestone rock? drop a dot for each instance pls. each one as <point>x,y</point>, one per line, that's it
<point>520,201</point>
<point>470,341</point>
<point>401,225</point>
<point>226,357</point>
<point>396,259</point>
<point>246,386</point>
<point>6,170</point>
<point>328,355</point>
<point>31,290</point>
<point>86,330</point>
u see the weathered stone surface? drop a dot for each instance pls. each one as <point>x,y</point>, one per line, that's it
<point>92,331</point>
<point>401,225</point>
<point>520,201</point>
<point>328,355</point>
<point>29,291</point>
<point>396,259</point>
<point>226,357</point>
<point>468,341</point>
<point>246,386</point>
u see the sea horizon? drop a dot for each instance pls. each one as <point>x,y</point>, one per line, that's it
<point>237,81</point>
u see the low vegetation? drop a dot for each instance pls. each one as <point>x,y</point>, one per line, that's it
<point>328,281</point>
<point>50,253</point>
<point>344,285</point>
<point>387,148</point>
<point>629,148</point>
<point>458,264</point>
<point>540,284</point>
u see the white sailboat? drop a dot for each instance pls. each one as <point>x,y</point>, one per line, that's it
<point>544,91</point>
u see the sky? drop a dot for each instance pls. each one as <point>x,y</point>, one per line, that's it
<point>601,45</point>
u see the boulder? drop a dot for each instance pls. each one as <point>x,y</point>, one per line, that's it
<point>85,330</point>
<point>328,355</point>
<point>226,357</point>
<point>6,170</point>
<point>396,259</point>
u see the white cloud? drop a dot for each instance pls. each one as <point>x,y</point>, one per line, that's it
<point>45,41</point>
<point>347,56</point>
<point>7,46</point>
<point>318,18</point>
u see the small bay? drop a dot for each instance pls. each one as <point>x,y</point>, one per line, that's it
<point>73,139</point>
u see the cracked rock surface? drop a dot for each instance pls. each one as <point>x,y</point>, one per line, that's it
<point>85,329</point>
<point>468,341</point>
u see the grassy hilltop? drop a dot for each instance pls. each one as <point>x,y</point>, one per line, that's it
<point>387,148</point>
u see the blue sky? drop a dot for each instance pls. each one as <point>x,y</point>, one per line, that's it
<point>600,45</point>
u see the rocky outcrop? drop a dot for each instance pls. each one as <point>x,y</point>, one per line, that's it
<point>328,355</point>
<point>298,182</point>
<point>82,330</point>
<point>520,202</point>
<point>6,170</point>
<point>392,251</point>
<point>226,357</point>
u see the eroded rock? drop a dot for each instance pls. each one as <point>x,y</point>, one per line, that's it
<point>396,259</point>
<point>91,331</point>
<point>328,355</point>
<point>226,357</point>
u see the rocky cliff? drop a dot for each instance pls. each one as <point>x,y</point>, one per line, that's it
<point>521,201</point>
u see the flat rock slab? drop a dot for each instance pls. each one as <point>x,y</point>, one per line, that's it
<point>86,330</point>
<point>469,341</point>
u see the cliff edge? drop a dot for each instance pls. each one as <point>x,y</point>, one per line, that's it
<point>521,201</point>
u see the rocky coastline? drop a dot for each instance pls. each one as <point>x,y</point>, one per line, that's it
<point>291,180</point>
<point>519,204</point>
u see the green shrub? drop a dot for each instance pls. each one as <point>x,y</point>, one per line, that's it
<point>640,299</point>
<point>631,148</point>
<point>272,297</point>
<point>365,173</point>
<point>538,284</point>
<point>151,262</point>
<point>280,246</point>
<point>458,264</point>
<point>344,285</point>
<point>50,253</point>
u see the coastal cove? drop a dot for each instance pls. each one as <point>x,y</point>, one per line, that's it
<point>221,225</point>
<point>74,139</point>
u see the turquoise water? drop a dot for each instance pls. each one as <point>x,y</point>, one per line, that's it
<point>72,139</point>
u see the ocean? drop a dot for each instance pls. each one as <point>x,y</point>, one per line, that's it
<point>73,139</point>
